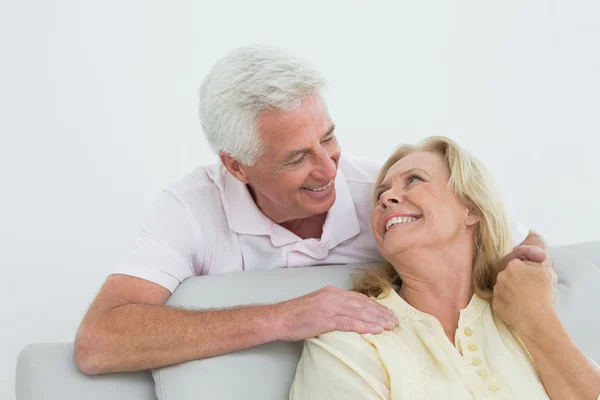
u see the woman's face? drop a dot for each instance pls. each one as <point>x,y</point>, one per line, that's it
<point>416,209</point>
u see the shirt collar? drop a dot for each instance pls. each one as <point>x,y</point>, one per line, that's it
<point>341,223</point>
<point>244,216</point>
<point>403,309</point>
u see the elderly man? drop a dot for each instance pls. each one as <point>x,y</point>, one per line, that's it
<point>282,197</point>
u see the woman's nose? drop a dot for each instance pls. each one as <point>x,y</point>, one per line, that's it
<point>391,200</point>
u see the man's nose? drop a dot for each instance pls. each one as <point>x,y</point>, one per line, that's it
<point>327,168</point>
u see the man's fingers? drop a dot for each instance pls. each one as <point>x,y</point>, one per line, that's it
<point>368,314</point>
<point>531,253</point>
<point>358,298</point>
<point>359,313</point>
<point>349,324</point>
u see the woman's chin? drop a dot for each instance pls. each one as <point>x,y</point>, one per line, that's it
<point>392,249</point>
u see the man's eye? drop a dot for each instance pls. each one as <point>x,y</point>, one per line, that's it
<point>299,160</point>
<point>329,139</point>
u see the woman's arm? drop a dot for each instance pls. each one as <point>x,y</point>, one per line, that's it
<point>565,371</point>
<point>340,366</point>
<point>524,299</point>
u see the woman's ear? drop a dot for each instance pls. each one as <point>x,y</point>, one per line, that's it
<point>473,216</point>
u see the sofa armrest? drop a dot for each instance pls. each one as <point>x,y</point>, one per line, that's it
<point>47,371</point>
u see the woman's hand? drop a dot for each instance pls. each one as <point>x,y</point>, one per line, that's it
<point>524,299</point>
<point>524,295</point>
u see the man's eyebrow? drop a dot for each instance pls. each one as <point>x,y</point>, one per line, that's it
<point>329,131</point>
<point>296,153</point>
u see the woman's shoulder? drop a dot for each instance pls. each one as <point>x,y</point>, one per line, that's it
<point>339,338</point>
<point>349,347</point>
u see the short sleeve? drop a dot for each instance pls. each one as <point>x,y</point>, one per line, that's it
<point>163,251</point>
<point>519,233</point>
<point>340,366</point>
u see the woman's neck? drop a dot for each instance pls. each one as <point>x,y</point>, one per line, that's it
<point>439,285</point>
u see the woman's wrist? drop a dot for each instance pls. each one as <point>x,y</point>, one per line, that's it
<point>543,331</point>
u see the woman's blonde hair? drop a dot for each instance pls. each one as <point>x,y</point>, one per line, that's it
<point>474,186</point>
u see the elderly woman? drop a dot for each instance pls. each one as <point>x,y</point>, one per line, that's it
<point>441,225</point>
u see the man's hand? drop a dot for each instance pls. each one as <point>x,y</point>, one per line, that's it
<point>533,254</point>
<point>524,294</point>
<point>330,309</point>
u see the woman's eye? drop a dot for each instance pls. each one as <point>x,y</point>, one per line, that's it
<point>413,178</point>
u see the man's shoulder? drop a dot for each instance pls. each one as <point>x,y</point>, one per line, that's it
<point>202,181</point>
<point>358,170</point>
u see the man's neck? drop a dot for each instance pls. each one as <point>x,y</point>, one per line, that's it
<point>306,228</point>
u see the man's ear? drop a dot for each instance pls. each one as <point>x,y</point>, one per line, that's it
<point>473,216</point>
<point>235,168</point>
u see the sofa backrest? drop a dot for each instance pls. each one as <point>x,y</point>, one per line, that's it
<point>47,371</point>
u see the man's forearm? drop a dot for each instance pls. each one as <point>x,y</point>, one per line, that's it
<point>565,371</point>
<point>140,336</point>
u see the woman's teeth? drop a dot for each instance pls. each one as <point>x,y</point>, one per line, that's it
<point>399,220</point>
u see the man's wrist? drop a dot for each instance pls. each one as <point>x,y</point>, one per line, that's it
<point>275,326</point>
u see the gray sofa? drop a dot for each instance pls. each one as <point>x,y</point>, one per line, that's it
<point>47,371</point>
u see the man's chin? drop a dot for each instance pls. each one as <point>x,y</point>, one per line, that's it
<point>322,206</point>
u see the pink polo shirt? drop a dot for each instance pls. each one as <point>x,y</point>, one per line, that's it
<point>208,223</point>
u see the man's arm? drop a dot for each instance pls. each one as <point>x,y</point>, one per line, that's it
<point>534,249</point>
<point>129,328</point>
<point>524,298</point>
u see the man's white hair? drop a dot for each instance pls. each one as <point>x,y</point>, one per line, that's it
<point>241,86</point>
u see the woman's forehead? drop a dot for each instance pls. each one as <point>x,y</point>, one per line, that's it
<point>427,161</point>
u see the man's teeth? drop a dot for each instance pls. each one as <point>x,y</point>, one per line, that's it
<point>319,189</point>
<point>399,220</point>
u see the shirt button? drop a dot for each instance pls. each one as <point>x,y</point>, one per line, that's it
<point>494,387</point>
<point>476,361</point>
<point>473,347</point>
<point>468,331</point>
<point>482,373</point>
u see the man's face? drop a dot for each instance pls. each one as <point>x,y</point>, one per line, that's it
<point>294,178</point>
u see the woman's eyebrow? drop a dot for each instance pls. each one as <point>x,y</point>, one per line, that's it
<point>383,186</point>
<point>414,170</point>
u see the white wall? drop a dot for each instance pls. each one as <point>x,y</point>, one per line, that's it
<point>98,113</point>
